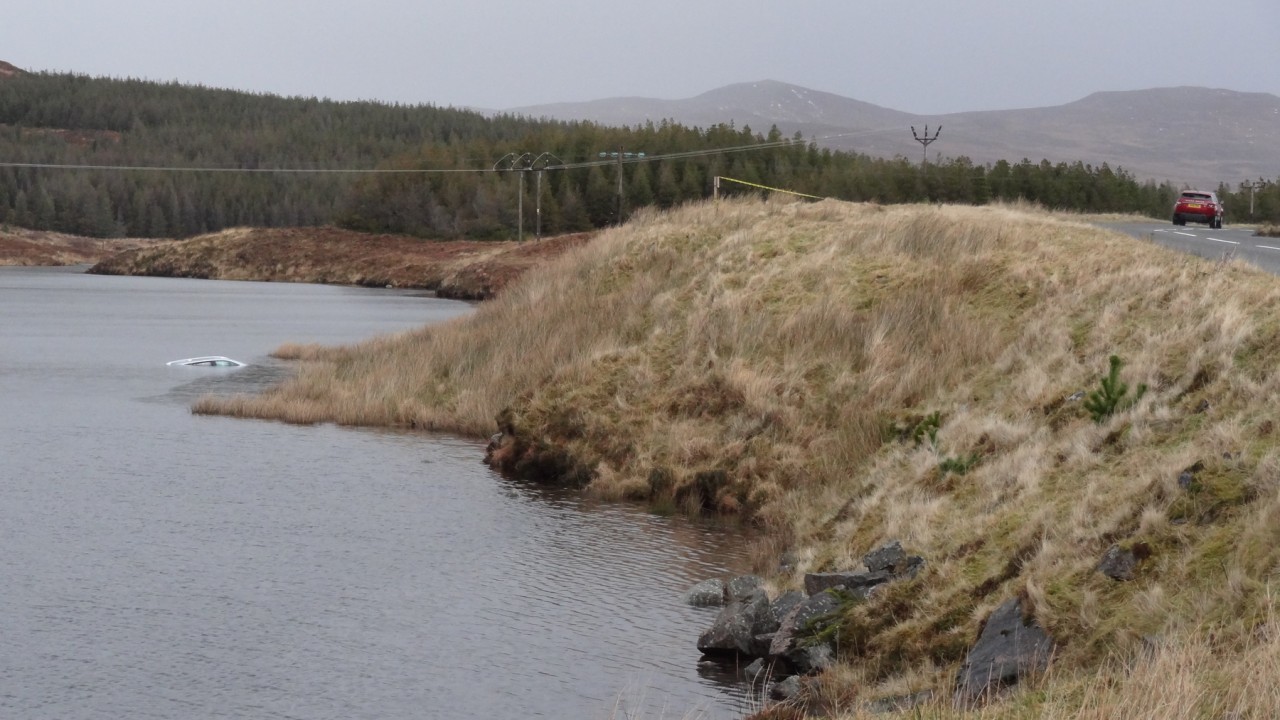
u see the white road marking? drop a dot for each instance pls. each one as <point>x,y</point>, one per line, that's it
<point>1268,247</point>
<point>1175,232</point>
<point>1229,242</point>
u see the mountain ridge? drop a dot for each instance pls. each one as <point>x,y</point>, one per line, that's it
<point>1187,134</point>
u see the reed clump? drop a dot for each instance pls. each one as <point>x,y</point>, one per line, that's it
<point>827,370</point>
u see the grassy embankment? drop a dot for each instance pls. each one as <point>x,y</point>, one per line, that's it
<point>775,359</point>
<point>458,269</point>
<point>19,246</point>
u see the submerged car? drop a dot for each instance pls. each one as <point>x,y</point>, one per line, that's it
<point>207,361</point>
<point>1198,206</point>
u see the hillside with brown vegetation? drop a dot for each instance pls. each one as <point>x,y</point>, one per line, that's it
<point>37,247</point>
<point>844,374</point>
<point>455,269</point>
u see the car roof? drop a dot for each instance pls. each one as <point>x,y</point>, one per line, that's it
<point>206,359</point>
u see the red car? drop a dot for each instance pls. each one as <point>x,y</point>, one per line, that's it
<point>1198,206</point>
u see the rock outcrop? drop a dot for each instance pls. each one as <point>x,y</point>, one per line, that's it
<point>1009,648</point>
<point>736,628</point>
<point>708,593</point>
<point>787,634</point>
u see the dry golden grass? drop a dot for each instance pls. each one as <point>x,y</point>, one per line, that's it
<point>19,246</point>
<point>1268,231</point>
<point>460,269</point>
<point>773,359</point>
<point>1171,679</point>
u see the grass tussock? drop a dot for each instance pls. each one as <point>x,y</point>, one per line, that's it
<point>1184,679</point>
<point>1268,231</point>
<point>848,374</point>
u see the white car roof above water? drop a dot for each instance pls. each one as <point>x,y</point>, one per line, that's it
<point>208,361</point>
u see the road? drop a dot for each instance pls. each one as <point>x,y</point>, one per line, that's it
<point>1200,240</point>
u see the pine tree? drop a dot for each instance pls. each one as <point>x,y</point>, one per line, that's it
<point>668,190</point>
<point>639,188</point>
<point>601,198</point>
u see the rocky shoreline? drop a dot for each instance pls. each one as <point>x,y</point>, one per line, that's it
<point>781,643</point>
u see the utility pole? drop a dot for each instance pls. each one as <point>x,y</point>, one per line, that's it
<point>1250,187</point>
<point>548,157</point>
<point>925,141</point>
<point>516,162</point>
<point>620,155</point>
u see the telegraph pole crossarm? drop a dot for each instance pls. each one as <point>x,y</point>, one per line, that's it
<point>925,141</point>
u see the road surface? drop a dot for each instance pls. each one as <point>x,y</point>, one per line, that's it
<point>1200,240</point>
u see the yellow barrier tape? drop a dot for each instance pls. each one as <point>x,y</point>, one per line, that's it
<point>771,189</point>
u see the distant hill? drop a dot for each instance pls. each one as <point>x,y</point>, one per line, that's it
<point>1187,135</point>
<point>757,105</point>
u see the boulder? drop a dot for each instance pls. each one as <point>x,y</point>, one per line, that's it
<point>708,593</point>
<point>789,642</point>
<point>858,583</point>
<point>736,627</point>
<point>1007,650</point>
<point>885,563</point>
<point>784,690</point>
<point>894,560</point>
<point>742,586</point>
<point>495,442</point>
<point>889,558</point>
<point>783,604</point>
<point>760,644</point>
<point>1118,563</point>
<point>810,659</point>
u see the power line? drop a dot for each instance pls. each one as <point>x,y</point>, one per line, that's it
<point>172,168</point>
<point>721,151</point>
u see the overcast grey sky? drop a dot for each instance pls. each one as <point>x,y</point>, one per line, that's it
<point>925,56</point>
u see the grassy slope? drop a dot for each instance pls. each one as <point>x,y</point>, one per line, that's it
<point>461,269</point>
<point>776,357</point>
<point>19,246</point>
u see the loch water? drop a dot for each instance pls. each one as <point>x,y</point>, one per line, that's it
<point>157,564</point>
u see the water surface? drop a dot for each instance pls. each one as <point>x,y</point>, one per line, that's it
<point>162,565</point>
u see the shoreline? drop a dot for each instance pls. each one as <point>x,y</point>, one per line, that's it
<point>848,378</point>
<point>459,270</point>
<point>20,247</point>
<point>843,376</point>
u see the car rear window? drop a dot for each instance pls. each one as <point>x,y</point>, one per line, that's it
<point>1195,196</point>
